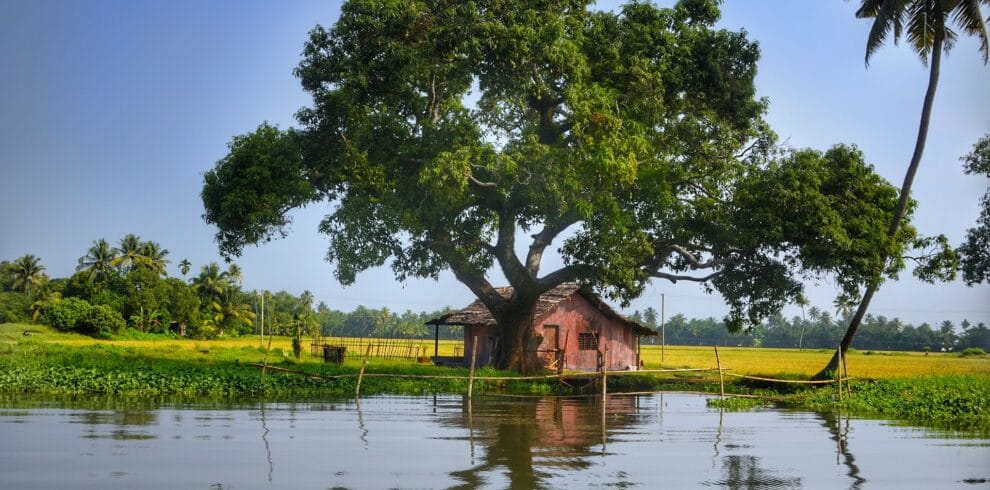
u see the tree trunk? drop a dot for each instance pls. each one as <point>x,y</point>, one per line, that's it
<point>515,350</point>
<point>919,150</point>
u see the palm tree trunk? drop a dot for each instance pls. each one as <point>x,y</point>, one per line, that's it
<point>919,150</point>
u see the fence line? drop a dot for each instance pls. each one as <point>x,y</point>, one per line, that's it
<point>794,381</point>
<point>381,347</point>
<point>601,375</point>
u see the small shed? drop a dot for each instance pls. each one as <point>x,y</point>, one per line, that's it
<point>572,327</point>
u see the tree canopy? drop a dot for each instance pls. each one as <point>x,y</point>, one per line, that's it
<point>442,132</point>
<point>975,251</point>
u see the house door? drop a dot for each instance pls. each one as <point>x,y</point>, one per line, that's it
<point>551,346</point>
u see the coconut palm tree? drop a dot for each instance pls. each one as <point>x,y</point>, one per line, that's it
<point>128,252</point>
<point>307,300</point>
<point>211,283</point>
<point>232,315</point>
<point>184,267</point>
<point>927,26</point>
<point>27,273</point>
<point>98,261</point>
<point>234,274</point>
<point>153,256</point>
<point>843,305</point>
<point>802,301</point>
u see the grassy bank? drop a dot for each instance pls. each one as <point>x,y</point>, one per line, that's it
<point>944,390</point>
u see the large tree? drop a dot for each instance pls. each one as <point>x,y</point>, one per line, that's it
<point>927,25</point>
<point>975,252</point>
<point>442,132</point>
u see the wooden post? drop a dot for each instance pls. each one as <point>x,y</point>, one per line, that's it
<point>604,372</point>
<point>474,354</point>
<point>436,341</point>
<point>357,389</point>
<point>265,365</point>
<point>838,372</point>
<point>663,328</point>
<point>721,382</point>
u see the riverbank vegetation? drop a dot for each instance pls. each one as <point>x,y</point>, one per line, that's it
<point>936,389</point>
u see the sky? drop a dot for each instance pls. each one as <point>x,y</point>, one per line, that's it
<point>111,111</point>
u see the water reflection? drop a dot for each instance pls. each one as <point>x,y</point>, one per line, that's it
<point>840,434</point>
<point>126,424</point>
<point>529,439</point>
<point>743,472</point>
<point>671,440</point>
<point>264,439</point>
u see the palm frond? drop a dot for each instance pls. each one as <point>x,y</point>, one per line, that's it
<point>966,14</point>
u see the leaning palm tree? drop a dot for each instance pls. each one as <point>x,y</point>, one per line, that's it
<point>184,267</point>
<point>27,273</point>
<point>153,256</point>
<point>927,26</point>
<point>98,261</point>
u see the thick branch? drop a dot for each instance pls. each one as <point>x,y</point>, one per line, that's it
<point>543,239</point>
<point>505,253</point>
<point>679,277</point>
<point>693,260</point>
<point>478,183</point>
<point>568,273</point>
<point>469,276</point>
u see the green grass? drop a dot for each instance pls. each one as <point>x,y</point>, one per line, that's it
<point>955,401</point>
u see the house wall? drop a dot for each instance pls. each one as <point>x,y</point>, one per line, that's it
<point>577,315</point>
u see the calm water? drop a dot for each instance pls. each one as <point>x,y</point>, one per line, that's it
<point>671,441</point>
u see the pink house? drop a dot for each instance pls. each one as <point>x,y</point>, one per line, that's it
<point>572,328</point>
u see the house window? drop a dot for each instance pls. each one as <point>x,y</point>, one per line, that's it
<point>587,341</point>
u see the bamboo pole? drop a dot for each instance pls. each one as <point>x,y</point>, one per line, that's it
<point>474,354</point>
<point>265,363</point>
<point>845,373</point>
<point>721,381</point>
<point>357,389</point>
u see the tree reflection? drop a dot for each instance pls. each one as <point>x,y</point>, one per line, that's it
<point>526,440</point>
<point>123,421</point>
<point>743,472</point>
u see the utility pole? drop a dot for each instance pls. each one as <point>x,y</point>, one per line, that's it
<point>663,328</point>
<point>262,326</point>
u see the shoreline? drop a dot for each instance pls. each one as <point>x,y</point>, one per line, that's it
<point>35,369</point>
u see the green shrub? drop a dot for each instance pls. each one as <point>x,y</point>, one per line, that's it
<point>973,352</point>
<point>14,308</point>
<point>101,321</point>
<point>64,314</point>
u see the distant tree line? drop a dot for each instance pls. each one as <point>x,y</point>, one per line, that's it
<point>820,330</point>
<point>127,287</point>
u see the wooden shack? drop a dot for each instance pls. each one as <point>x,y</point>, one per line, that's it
<point>572,327</point>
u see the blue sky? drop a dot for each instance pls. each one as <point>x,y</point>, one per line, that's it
<point>111,111</point>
